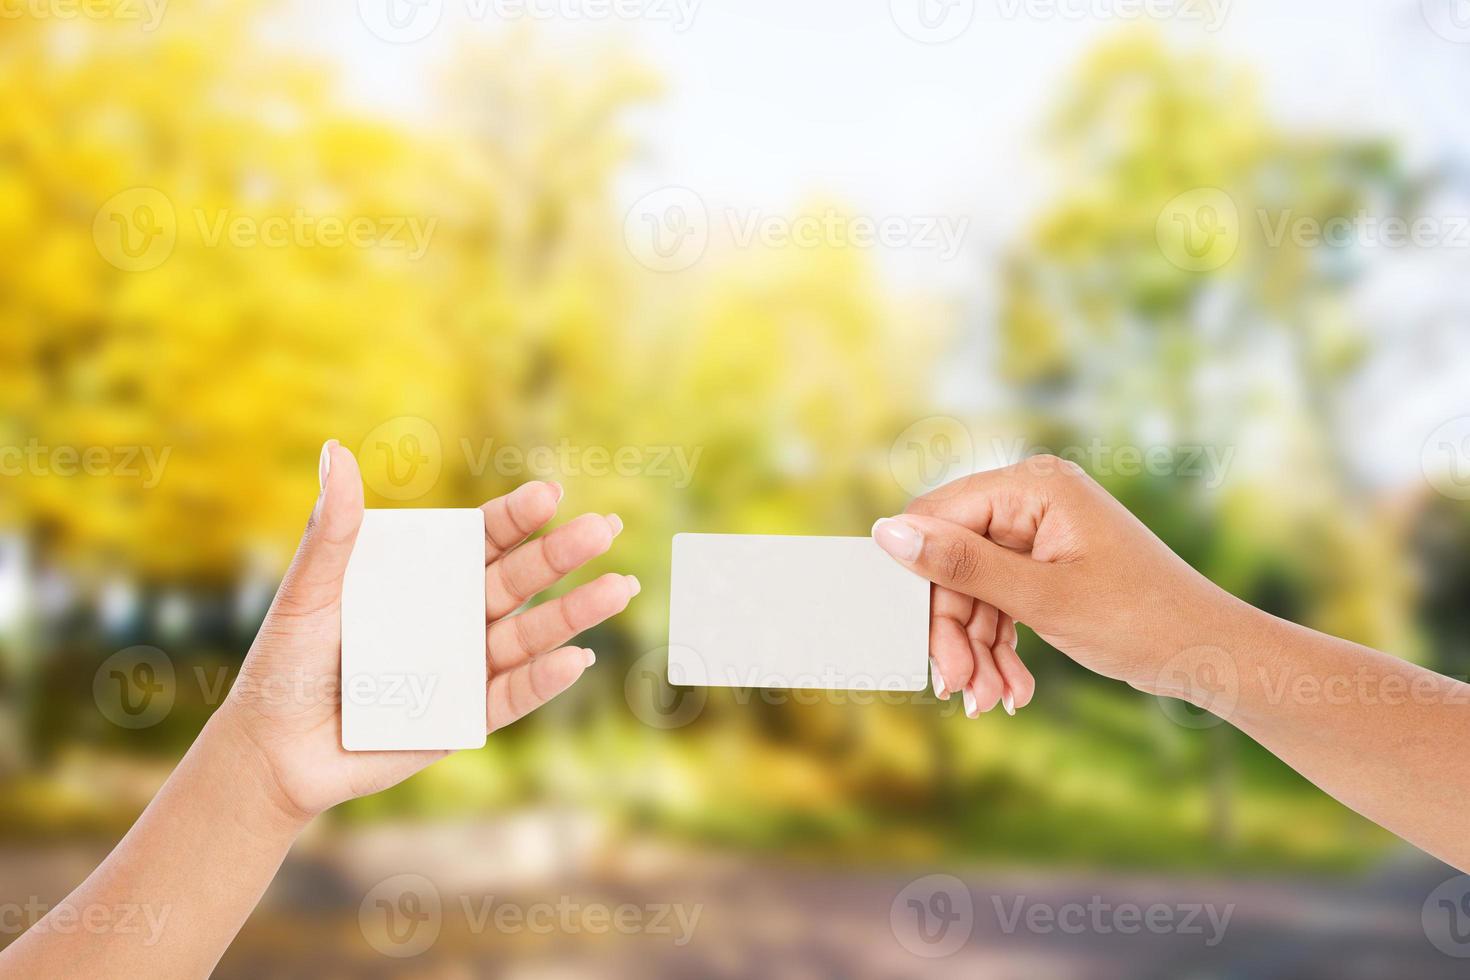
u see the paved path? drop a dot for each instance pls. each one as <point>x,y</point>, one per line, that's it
<point>482,905</point>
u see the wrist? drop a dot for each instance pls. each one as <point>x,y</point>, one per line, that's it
<point>1202,656</point>
<point>263,805</point>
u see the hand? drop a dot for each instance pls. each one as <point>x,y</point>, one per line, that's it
<point>1043,543</point>
<point>286,702</point>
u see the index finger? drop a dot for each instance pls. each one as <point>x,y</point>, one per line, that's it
<point>1007,504</point>
<point>514,517</point>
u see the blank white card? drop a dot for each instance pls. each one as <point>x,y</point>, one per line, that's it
<point>413,632</point>
<point>795,612</point>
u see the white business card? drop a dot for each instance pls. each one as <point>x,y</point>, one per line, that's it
<point>795,612</point>
<point>413,632</point>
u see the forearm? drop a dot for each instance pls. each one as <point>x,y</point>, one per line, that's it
<point>173,894</point>
<point>1384,736</point>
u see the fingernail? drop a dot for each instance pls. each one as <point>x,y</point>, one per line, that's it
<point>939,691</point>
<point>900,540</point>
<point>324,464</point>
<point>591,657</point>
<point>560,493</point>
<point>971,708</point>
<point>617,524</point>
<point>1008,702</point>
<point>634,584</point>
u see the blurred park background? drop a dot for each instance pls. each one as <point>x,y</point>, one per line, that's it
<point>744,268</point>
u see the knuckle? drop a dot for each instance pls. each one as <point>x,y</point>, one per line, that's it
<point>1042,465</point>
<point>524,639</point>
<point>987,688</point>
<point>570,616</point>
<point>1052,469</point>
<point>957,673</point>
<point>515,582</point>
<point>961,562</point>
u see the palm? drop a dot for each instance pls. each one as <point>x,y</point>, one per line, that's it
<point>289,685</point>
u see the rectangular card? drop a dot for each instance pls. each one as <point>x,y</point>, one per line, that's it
<point>795,612</point>
<point>413,632</point>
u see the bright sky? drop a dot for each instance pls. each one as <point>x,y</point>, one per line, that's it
<point>772,101</point>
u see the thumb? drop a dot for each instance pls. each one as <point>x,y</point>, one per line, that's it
<point>314,581</point>
<point>954,556</point>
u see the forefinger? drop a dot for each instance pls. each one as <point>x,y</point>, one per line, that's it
<point>514,517</point>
